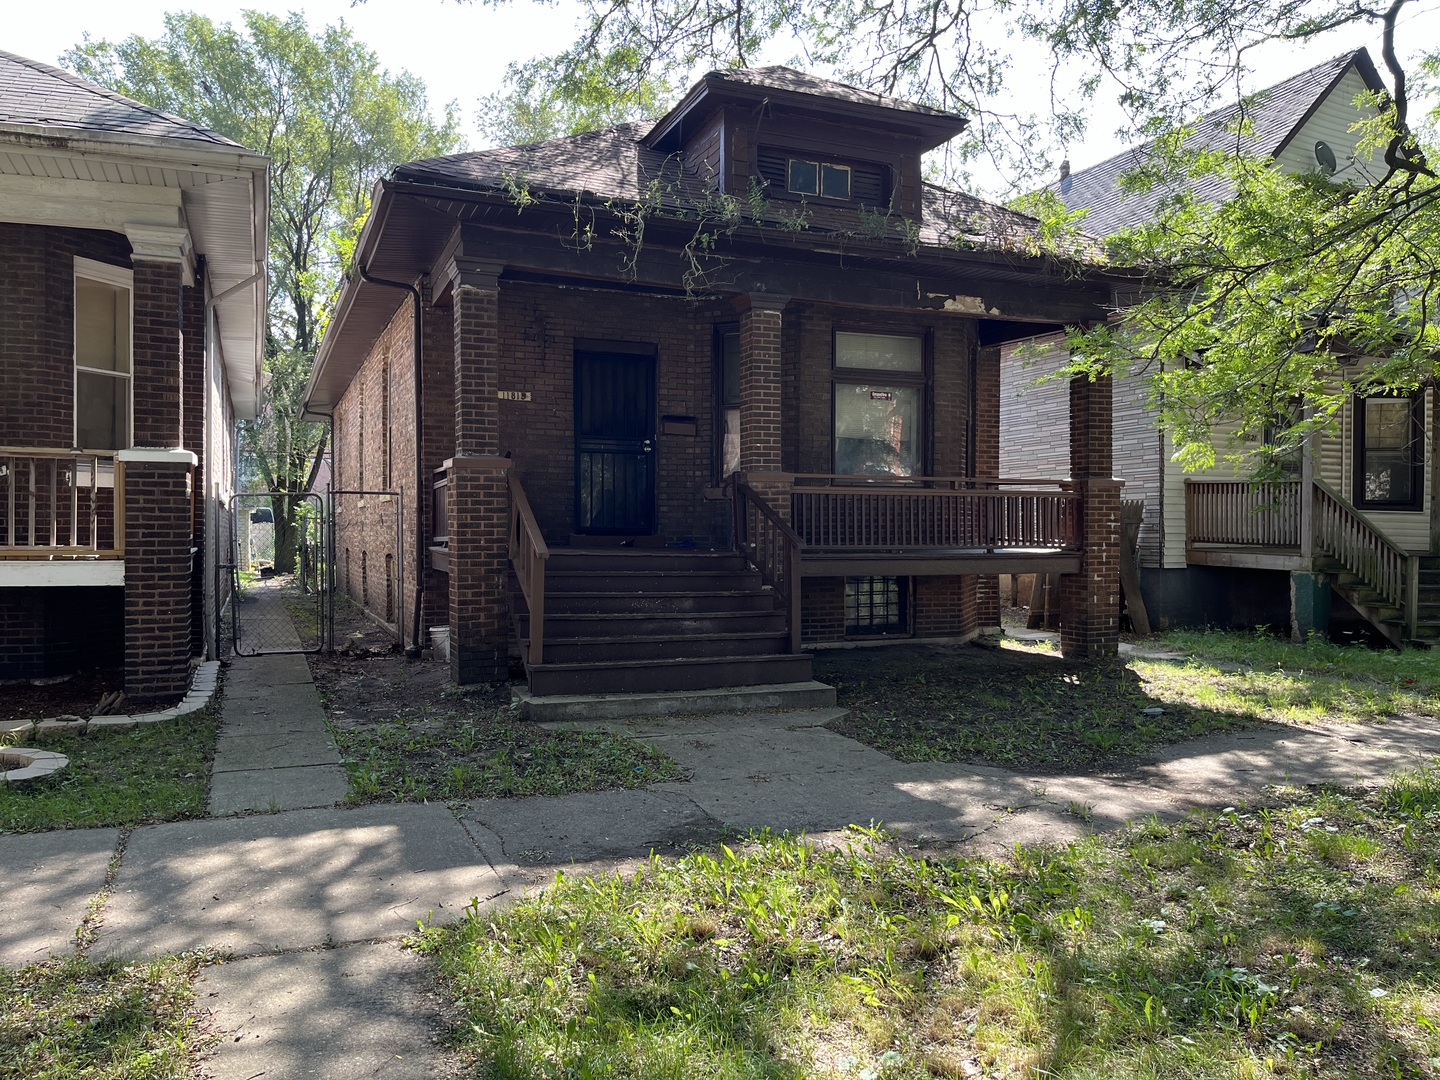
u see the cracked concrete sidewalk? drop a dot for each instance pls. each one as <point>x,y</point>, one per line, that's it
<point>312,903</point>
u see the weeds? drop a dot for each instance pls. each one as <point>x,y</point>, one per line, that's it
<point>71,1017</point>
<point>1230,944</point>
<point>447,756</point>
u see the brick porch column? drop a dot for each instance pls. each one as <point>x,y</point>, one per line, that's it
<point>1090,600</point>
<point>158,473</point>
<point>157,572</point>
<point>478,495</point>
<point>761,439</point>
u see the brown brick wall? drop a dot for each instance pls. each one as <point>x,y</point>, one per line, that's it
<point>945,607</point>
<point>157,354</point>
<point>538,329</point>
<point>760,387</point>
<point>479,570</point>
<point>37,304</point>
<point>45,632</point>
<point>368,525</point>
<point>157,580</point>
<point>1090,600</point>
<point>822,610</point>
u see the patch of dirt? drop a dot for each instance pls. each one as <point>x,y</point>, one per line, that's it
<point>74,695</point>
<point>369,680</point>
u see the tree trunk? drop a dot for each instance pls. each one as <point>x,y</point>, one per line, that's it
<point>287,532</point>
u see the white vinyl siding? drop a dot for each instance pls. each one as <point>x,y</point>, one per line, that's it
<point>1331,123</point>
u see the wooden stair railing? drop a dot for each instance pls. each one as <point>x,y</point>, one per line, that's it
<point>1351,539</point>
<point>528,556</point>
<point>772,547</point>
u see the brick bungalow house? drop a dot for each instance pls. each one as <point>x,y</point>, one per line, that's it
<point>1215,549</point>
<point>132,306</point>
<point>698,392</point>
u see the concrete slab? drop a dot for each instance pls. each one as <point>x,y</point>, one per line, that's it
<point>268,670</point>
<point>598,825</point>
<point>331,1014</point>
<point>800,695</point>
<point>272,790</point>
<point>49,879</point>
<point>278,750</point>
<point>262,716</point>
<point>284,881</point>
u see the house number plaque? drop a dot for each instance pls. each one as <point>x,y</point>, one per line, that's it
<point>513,395</point>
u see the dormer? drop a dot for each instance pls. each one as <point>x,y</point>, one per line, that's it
<point>803,139</point>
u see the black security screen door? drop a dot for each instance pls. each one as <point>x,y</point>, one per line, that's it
<point>614,444</point>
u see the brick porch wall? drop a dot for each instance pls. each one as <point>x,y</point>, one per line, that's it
<point>1090,600</point>
<point>157,579</point>
<point>56,631</point>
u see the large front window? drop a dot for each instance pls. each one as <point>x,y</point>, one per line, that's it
<point>102,356</point>
<point>1390,443</point>
<point>879,389</point>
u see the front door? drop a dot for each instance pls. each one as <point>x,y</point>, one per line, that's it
<point>614,444</point>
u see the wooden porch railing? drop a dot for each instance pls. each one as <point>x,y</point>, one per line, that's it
<point>1351,539</point>
<point>528,555</point>
<point>59,503</point>
<point>1243,513</point>
<point>932,512</point>
<point>772,547</point>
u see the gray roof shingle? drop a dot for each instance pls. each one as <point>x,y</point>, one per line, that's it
<point>615,163</point>
<point>38,95</point>
<point>1273,115</point>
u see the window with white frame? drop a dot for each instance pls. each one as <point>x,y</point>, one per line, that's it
<point>103,374</point>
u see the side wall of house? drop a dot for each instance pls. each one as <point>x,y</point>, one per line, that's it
<point>374,429</point>
<point>51,630</point>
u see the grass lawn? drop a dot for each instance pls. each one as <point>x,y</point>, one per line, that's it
<point>1022,707</point>
<point>71,1018</point>
<point>1299,938</point>
<point>156,772</point>
<point>445,754</point>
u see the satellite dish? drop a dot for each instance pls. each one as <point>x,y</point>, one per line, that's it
<point>1325,158</point>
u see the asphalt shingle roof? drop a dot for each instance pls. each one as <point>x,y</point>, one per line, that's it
<point>38,95</point>
<point>1272,114</point>
<point>615,163</point>
<point>785,78</point>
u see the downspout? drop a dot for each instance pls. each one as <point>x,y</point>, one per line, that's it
<point>418,351</point>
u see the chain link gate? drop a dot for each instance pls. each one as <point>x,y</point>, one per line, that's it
<point>280,594</point>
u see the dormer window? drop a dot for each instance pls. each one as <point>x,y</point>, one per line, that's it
<point>819,178</point>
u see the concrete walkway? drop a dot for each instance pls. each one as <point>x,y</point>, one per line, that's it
<point>312,902</point>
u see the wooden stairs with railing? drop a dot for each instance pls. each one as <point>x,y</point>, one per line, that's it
<point>1390,617</point>
<point>623,621</point>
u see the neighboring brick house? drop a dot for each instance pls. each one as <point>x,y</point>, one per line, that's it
<point>132,306</point>
<point>698,392</point>
<point>1216,549</point>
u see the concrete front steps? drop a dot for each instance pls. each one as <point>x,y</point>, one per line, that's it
<point>622,621</point>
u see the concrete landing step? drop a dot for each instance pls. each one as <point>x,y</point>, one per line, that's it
<point>796,695</point>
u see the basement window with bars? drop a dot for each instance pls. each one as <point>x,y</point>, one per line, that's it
<point>876,606</point>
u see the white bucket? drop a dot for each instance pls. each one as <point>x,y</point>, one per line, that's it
<point>440,641</point>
